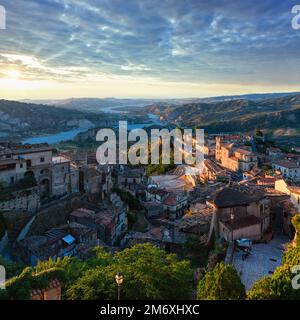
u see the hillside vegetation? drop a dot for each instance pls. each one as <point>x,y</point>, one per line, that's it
<point>235,115</point>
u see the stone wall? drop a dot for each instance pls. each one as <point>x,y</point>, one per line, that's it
<point>24,200</point>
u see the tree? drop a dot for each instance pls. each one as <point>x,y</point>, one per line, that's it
<point>19,287</point>
<point>223,283</point>
<point>275,287</point>
<point>3,225</point>
<point>149,273</point>
<point>12,268</point>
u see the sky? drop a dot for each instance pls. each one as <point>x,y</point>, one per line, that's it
<point>54,49</point>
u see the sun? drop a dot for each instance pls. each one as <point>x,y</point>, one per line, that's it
<point>12,74</point>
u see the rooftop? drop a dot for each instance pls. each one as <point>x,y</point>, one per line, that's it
<point>60,159</point>
<point>287,164</point>
<point>236,196</point>
<point>243,151</point>
<point>241,223</point>
<point>82,213</point>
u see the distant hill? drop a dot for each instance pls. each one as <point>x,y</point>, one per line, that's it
<point>17,117</point>
<point>98,104</point>
<point>93,104</point>
<point>253,97</point>
<point>234,115</point>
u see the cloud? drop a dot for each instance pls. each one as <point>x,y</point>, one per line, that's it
<point>174,41</point>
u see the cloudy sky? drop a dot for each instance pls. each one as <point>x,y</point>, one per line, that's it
<point>147,48</point>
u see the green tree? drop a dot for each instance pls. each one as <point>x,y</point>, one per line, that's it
<point>19,287</point>
<point>222,283</point>
<point>3,225</point>
<point>12,268</point>
<point>149,273</point>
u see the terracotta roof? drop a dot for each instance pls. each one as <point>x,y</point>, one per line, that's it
<point>294,189</point>
<point>82,213</point>
<point>266,181</point>
<point>213,166</point>
<point>242,222</point>
<point>105,218</point>
<point>231,197</point>
<point>293,155</point>
<point>243,151</point>
<point>160,192</point>
<point>287,164</point>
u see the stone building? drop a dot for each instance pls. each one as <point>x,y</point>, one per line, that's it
<point>240,212</point>
<point>172,202</point>
<point>55,175</point>
<point>292,190</point>
<point>130,178</point>
<point>212,171</point>
<point>19,161</point>
<point>96,179</point>
<point>21,200</point>
<point>110,221</point>
<point>233,157</point>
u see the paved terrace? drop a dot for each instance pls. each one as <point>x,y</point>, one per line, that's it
<point>262,262</point>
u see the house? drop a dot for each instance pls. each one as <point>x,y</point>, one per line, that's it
<point>173,203</point>
<point>55,175</point>
<point>233,157</point>
<point>197,219</point>
<point>179,180</point>
<point>292,157</point>
<point>18,161</point>
<point>274,153</point>
<point>110,221</point>
<point>287,169</point>
<point>130,178</point>
<point>65,176</point>
<point>212,171</point>
<point>153,208</point>
<point>293,191</point>
<point>240,212</point>
<point>156,194</point>
<point>65,240</point>
<point>95,180</point>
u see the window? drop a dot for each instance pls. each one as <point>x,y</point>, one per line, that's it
<point>42,159</point>
<point>21,165</point>
<point>12,180</point>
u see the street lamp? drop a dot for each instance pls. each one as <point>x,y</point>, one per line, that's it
<point>119,280</point>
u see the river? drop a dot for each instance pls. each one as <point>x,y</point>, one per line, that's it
<point>71,134</point>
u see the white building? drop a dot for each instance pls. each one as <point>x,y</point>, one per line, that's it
<point>288,169</point>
